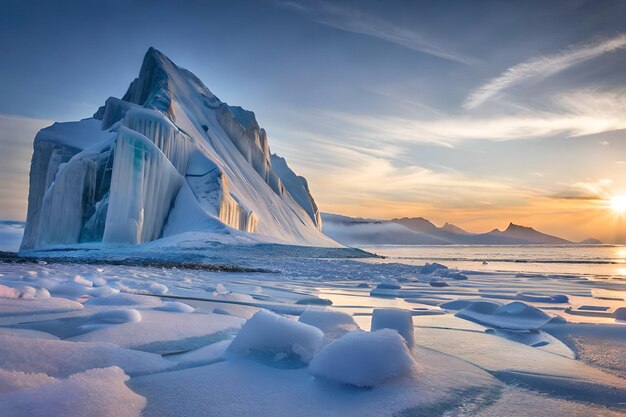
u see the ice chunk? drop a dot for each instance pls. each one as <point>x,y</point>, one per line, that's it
<point>364,359</point>
<point>9,292</point>
<point>515,316</point>
<point>176,307</point>
<point>60,358</point>
<point>14,380</point>
<point>394,318</point>
<point>28,292</point>
<point>42,293</point>
<point>333,323</point>
<point>98,392</point>
<point>268,333</point>
<point>158,288</point>
<point>79,279</point>
<point>430,268</point>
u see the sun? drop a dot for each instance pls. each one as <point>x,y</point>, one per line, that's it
<point>618,204</point>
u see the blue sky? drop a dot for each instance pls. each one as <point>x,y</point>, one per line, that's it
<point>477,113</point>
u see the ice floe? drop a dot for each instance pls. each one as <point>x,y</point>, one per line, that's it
<point>515,315</point>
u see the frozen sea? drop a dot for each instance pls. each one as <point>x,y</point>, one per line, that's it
<point>603,261</point>
<point>533,331</point>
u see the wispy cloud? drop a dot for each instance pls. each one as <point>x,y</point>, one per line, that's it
<point>542,67</point>
<point>576,113</point>
<point>356,21</point>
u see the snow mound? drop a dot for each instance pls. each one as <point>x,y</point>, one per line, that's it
<point>59,358</point>
<point>123,299</point>
<point>14,380</point>
<point>27,333</point>
<point>115,317</point>
<point>26,293</point>
<point>333,323</point>
<point>71,289</point>
<point>457,304</point>
<point>98,392</point>
<point>176,307</point>
<point>8,292</point>
<point>388,285</point>
<point>515,316</point>
<point>206,354</point>
<point>267,333</point>
<point>395,318</point>
<point>162,331</point>
<point>542,298</point>
<point>364,359</point>
<point>9,306</point>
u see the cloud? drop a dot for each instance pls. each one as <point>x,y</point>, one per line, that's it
<point>542,67</point>
<point>356,21</point>
<point>576,113</point>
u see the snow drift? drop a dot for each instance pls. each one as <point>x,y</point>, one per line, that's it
<point>168,157</point>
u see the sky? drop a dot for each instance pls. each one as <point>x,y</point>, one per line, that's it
<point>475,113</point>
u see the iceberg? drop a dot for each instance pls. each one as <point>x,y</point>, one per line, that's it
<point>168,151</point>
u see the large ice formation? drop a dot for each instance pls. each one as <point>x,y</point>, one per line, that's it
<point>168,157</point>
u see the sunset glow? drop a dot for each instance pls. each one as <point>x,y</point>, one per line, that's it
<point>618,204</point>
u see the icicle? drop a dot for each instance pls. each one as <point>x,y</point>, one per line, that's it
<point>143,185</point>
<point>163,133</point>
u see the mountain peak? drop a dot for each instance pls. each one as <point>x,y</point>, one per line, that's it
<point>512,227</point>
<point>418,224</point>
<point>449,227</point>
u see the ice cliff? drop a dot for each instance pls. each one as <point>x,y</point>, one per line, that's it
<point>168,157</point>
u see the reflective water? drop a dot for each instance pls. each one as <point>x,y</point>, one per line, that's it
<point>598,260</point>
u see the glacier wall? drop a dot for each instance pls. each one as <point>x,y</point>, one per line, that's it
<point>143,187</point>
<point>243,129</point>
<point>209,185</point>
<point>298,188</point>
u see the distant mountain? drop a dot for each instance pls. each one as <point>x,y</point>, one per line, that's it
<point>421,231</point>
<point>590,241</point>
<point>453,229</point>
<point>358,231</point>
<point>530,235</point>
